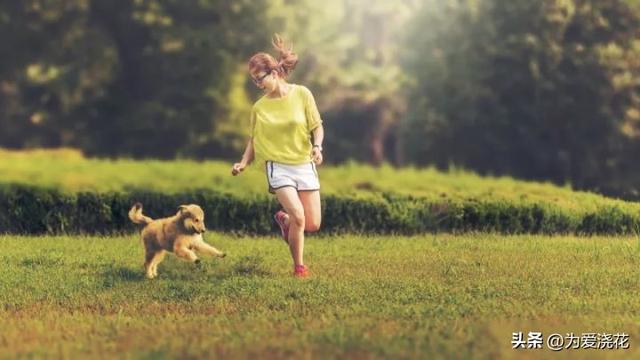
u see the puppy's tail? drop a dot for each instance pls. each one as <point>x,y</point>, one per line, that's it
<point>135,214</point>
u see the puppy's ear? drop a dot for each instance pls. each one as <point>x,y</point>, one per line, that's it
<point>182,209</point>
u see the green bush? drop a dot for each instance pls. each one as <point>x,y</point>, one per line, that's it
<point>38,210</point>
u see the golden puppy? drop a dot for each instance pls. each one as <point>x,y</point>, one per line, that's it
<point>181,234</point>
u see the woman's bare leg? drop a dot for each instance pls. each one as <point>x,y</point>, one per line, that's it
<point>312,210</point>
<point>290,201</point>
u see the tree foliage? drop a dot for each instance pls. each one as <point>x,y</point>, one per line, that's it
<point>143,78</point>
<point>536,89</point>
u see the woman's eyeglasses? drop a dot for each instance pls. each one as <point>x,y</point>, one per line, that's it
<point>259,80</point>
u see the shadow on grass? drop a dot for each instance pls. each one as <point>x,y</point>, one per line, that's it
<point>177,270</point>
<point>252,265</point>
<point>118,273</point>
<point>215,269</point>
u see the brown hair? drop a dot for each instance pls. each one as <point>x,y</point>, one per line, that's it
<point>265,62</point>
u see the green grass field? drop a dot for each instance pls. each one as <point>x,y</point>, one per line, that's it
<point>434,296</point>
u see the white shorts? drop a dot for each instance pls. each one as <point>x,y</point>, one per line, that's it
<point>303,177</point>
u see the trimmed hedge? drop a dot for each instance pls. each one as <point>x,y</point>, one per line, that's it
<point>34,210</point>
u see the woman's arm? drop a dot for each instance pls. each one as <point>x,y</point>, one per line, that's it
<point>316,151</point>
<point>247,158</point>
<point>318,135</point>
<point>249,155</point>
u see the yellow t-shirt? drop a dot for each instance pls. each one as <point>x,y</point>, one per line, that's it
<point>281,127</point>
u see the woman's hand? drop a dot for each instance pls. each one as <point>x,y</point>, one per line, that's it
<point>316,155</point>
<point>237,168</point>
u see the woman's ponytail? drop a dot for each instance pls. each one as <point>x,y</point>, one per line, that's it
<point>287,60</point>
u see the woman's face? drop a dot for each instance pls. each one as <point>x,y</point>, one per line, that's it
<point>264,80</point>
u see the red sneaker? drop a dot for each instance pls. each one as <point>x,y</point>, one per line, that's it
<point>301,271</point>
<point>284,228</point>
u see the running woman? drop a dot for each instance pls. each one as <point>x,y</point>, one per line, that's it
<point>286,134</point>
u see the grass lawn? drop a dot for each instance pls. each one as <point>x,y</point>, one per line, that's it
<point>433,296</point>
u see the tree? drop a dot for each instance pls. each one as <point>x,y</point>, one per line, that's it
<point>140,78</point>
<point>524,88</point>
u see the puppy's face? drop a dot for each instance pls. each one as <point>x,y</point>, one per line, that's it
<point>192,218</point>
